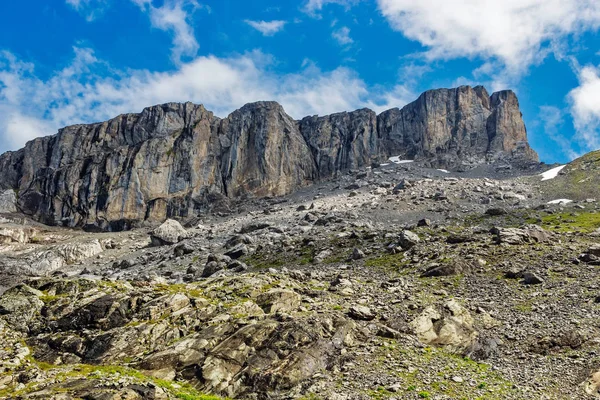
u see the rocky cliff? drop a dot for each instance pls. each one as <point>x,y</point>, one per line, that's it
<point>174,160</point>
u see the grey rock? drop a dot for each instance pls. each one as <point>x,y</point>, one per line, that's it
<point>170,232</point>
<point>183,249</point>
<point>237,251</point>
<point>530,278</point>
<point>253,227</point>
<point>408,239</point>
<point>8,201</point>
<point>358,254</point>
<point>175,160</point>
<point>361,313</point>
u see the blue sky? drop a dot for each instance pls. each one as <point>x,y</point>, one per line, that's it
<point>72,61</point>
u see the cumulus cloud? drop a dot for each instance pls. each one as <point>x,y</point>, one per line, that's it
<point>342,36</point>
<point>89,90</point>
<point>518,33</point>
<point>585,107</point>
<point>267,28</point>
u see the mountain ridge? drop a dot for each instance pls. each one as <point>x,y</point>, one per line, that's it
<point>176,159</point>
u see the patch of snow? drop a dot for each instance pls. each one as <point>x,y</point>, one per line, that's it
<point>560,201</point>
<point>397,160</point>
<point>383,165</point>
<point>552,173</point>
<point>444,171</point>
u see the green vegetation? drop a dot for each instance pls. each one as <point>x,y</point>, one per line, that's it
<point>387,262</point>
<point>66,374</point>
<point>47,298</point>
<point>443,364</point>
<point>579,180</point>
<point>565,222</point>
<point>188,290</point>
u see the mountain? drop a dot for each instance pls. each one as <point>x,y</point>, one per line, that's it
<point>578,180</point>
<point>175,160</point>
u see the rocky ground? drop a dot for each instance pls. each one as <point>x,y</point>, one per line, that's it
<point>397,282</point>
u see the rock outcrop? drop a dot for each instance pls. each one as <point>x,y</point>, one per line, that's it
<point>175,160</point>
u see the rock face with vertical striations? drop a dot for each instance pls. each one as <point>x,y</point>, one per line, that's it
<point>174,160</point>
<point>450,128</point>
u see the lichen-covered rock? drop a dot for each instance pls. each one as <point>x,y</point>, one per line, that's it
<point>20,305</point>
<point>450,326</point>
<point>279,300</point>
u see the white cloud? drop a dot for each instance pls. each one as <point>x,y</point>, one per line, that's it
<point>585,107</point>
<point>267,28</point>
<point>83,92</point>
<point>175,16</point>
<point>90,9</point>
<point>553,119</point>
<point>342,36</point>
<point>518,33</point>
<point>313,6</point>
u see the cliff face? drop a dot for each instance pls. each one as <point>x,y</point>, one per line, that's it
<point>175,159</point>
<point>453,127</point>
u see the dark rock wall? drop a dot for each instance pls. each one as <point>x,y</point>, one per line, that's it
<point>173,160</point>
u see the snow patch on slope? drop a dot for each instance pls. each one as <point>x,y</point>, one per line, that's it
<point>552,173</point>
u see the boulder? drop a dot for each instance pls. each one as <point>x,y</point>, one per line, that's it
<point>170,232</point>
<point>279,300</point>
<point>515,236</point>
<point>19,305</point>
<point>408,240</point>
<point>453,267</point>
<point>73,253</point>
<point>237,251</point>
<point>363,313</point>
<point>450,325</point>
<point>16,234</point>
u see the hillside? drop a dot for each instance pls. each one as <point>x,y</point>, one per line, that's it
<point>399,282</point>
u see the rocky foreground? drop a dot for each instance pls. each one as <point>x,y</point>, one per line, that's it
<point>399,282</point>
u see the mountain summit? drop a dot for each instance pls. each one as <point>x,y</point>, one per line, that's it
<point>175,159</point>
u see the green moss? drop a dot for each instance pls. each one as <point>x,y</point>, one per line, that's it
<point>310,396</point>
<point>51,298</point>
<point>188,290</point>
<point>387,262</point>
<point>492,385</point>
<point>179,390</point>
<point>263,261</point>
<point>336,258</point>
<point>565,222</point>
